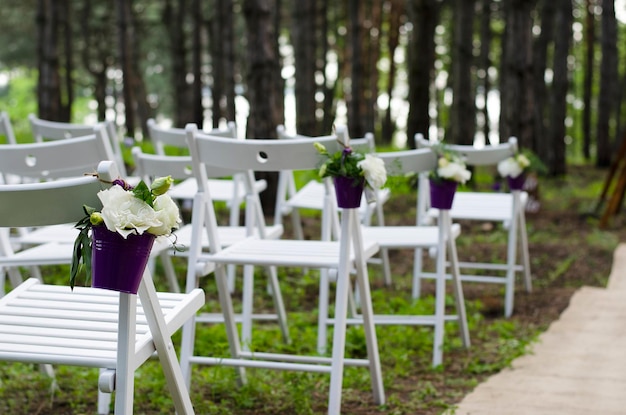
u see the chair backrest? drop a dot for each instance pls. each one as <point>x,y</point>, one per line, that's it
<point>163,137</point>
<point>44,130</point>
<point>54,202</point>
<point>400,163</point>
<point>475,156</point>
<point>249,156</point>
<point>149,166</point>
<point>269,155</point>
<point>56,159</point>
<point>6,129</point>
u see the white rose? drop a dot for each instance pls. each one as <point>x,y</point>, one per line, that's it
<point>510,167</point>
<point>454,171</point>
<point>122,212</point>
<point>167,214</point>
<point>374,171</point>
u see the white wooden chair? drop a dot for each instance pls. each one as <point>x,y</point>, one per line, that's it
<point>441,238</point>
<point>90,327</point>
<point>349,253</point>
<point>290,199</point>
<point>148,166</point>
<point>504,208</point>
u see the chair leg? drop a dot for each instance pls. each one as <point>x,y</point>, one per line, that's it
<point>164,347</point>
<point>322,316</point>
<point>125,371</point>
<point>350,224</point>
<point>416,286</point>
<point>367,311</point>
<point>524,254</point>
<point>279,304</point>
<point>511,261</point>
<point>246,311</point>
<point>104,401</point>
<point>457,286</point>
<point>440,298</point>
<point>170,273</point>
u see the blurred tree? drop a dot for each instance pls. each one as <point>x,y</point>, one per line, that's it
<point>608,82</point>
<point>462,126</point>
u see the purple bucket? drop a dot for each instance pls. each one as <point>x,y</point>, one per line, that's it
<point>348,194</point>
<point>442,193</point>
<point>516,183</point>
<point>116,263</point>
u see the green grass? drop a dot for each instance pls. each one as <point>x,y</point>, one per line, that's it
<point>412,386</point>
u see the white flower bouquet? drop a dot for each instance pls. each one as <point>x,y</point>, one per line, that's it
<point>513,166</point>
<point>126,210</point>
<point>450,166</point>
<point>355,165</point>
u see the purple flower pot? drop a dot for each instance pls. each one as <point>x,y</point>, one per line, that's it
<point>442,193</point>
<point>116,263</point>
<point>516,183</point>
<point>348,193</point>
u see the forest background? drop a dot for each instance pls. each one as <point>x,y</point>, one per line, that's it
<point>549,72</point>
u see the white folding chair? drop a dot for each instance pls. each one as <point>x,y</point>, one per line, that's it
<point>505,208</point>
<point>290,199</point>
<point>148,166</point>
<point>89,327</point>
<point>44,130</point>
<point>349,253</point>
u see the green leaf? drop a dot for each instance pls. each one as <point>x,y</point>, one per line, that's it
<point>142,191</point>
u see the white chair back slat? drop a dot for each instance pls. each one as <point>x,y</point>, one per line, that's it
<point>47,160</point>
<point>6,128</point>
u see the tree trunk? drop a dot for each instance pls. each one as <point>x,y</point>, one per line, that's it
<point>124,22</point>
<point>546,38</point>
<point>265,110</point>
<point>96,24</point>
<point>424,14</point>
<point>483,65</point>
<point>49,82</point>
<point>196,63</point>
<point>222,62</point>
<point>608,80</point>
<point>395,10</point>
<point>355,95</point>
<point>173,18</point>
<point>462,127</point>
<point>516,86</point>
<point>304,40</point>
<point>558,107</point>
<point>590,41</point>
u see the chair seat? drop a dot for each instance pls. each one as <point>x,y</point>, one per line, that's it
<point>400,237</point>
<point>221,190</point>
<point>294,253</point>
<point>228,234</point>
<point>65,233</point>
<point>311,196</point>
<point>493,207</point>
<point>51,324</point>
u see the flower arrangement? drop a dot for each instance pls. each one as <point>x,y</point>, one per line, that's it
<point>126,210</point>
<point>355,165</point>
<point>450,166</point>
<point>513,166</point>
